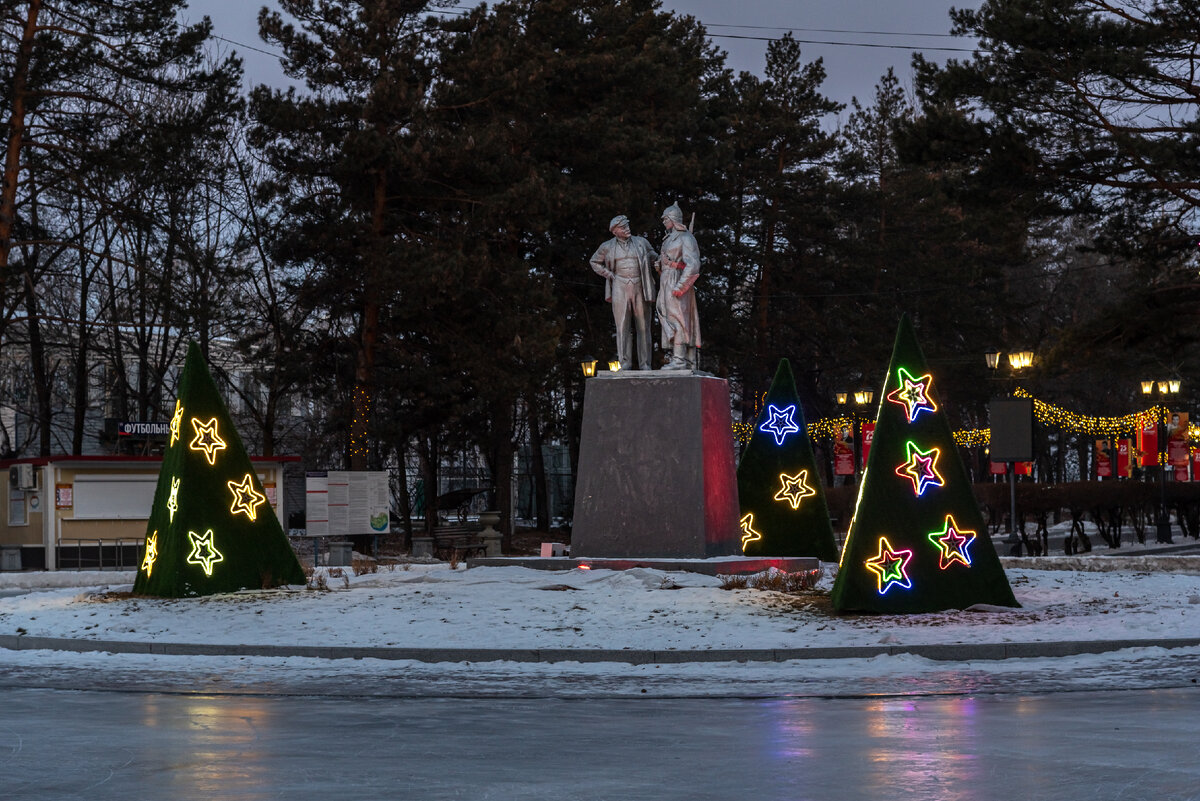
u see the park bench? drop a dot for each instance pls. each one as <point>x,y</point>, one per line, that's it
<point>458,540</point>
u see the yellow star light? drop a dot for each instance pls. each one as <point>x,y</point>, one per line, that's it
<point>173,499</point>
<point>749,535</point>
<point>795,488</point>
<point>206,439</point>
<point>246,499</point>
<point>209,557</point>
<point>176,421</point>
<point>151,552</point>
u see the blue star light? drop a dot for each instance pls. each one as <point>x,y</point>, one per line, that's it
<point>780,423</point>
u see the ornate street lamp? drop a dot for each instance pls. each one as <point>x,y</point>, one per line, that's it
<point>1165,388</point>
<point>862,397</point>
<point>589,367</point>
<point>1017,361</point>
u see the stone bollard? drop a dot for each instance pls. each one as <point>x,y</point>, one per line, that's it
<point>490,536</point>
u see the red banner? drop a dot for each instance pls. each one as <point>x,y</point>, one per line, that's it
<point>997,468</point>
<point>843,459</point>
<point>1124,463</point>
<point>868,434</point>
<point>1196,466</point>
<point>1177,439</point>
<point>1147,443</point>
<point>1103,459</point>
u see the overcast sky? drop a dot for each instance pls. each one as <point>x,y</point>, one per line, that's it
<point>858,39</point>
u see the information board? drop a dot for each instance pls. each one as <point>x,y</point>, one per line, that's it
<point>339,503</point>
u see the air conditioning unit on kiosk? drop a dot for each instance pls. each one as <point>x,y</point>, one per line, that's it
<point>27,477</point>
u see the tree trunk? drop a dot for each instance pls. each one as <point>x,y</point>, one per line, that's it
<point>364,370</point>
<point>16,133</point>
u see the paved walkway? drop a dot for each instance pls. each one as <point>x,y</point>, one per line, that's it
<point>961,652</point>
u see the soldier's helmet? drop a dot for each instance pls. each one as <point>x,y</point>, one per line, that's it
<point>673,213</point>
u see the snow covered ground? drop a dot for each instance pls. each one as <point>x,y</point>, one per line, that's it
<point>433,606</point>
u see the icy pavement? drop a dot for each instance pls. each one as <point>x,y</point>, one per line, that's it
<point>1070,747</point>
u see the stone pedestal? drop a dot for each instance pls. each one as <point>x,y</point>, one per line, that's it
<point>656,470</point>
<point>491,538</point>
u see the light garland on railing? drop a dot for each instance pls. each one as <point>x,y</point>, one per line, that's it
<point>1047,414</point>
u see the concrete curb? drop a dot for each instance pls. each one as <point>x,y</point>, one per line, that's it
<point>934,651</point>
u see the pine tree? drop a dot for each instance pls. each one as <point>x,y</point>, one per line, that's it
<point>211,529</point>
<point>782,501</point>
<point>917,542</point>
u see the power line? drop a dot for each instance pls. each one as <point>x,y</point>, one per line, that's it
<point>832,30</point>
<point>843,44</point>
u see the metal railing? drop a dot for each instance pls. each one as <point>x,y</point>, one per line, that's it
<point>98,554</point>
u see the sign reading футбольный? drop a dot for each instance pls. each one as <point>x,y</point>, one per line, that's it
<point>130,428</point>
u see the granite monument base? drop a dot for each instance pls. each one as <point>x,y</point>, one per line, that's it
<point>656,469</point>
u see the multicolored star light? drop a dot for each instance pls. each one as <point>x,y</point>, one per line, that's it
<point>913,394</point>
<point>749,535</point>
<point>794,488</point>
<point>921,468</point>
<point>953,544</point>
<point>781,422</point>
<point>246,499</point>
<point>889,567</point>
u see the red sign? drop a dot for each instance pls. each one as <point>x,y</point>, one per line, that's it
<point>1196,466</point>
<point>1147,443</point>
<point>1124,467</point>
<point>1020,468</point>
<point>868,434</point>
<point>1103,459</point>
<point>843,458</point>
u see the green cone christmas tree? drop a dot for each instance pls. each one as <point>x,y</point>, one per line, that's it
<point>917,542</point>
<point>211,529</point>
<point>782,501</point>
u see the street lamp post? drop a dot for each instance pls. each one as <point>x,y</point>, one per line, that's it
<point>1164,389</point>
<point>862,397</point>
<point>1017,361</point>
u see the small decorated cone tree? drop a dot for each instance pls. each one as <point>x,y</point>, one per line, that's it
<point>782,501</point>
<point>917,542</point>
<point>211,529</point>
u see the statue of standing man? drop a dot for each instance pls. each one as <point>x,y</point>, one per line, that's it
<point>625,262</point>
<point>679,267</point>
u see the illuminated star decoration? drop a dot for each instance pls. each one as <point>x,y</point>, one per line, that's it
<point>749,535</point>
<point>246,499</point>
<point>209,557</point>
<point>953,544</point>
<point>151,552</point>
<point>176,421</point>
<point>889,567</point>
<point>781,423</point>
<point>795,488</point>
<point>206,439</point>
<point>913,394</point>
<point>173,499</point>
<point>921,468</point>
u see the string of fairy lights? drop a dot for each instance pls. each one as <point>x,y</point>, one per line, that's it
<point>1046,413</point>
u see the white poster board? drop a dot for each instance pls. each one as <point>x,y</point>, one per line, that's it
<point>343,502</point>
